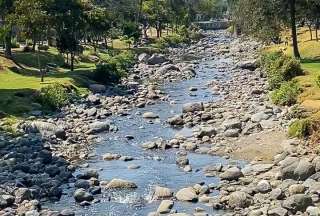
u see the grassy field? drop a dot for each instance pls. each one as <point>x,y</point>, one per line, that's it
<point>310,54</point>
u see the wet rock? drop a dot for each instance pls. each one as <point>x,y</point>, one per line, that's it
<point>97,88</point>
<point>156,59</point>
<point>176,120</point>
<point>81,183</point>
<point>143,58</point>
<point>81,195</point>
<point>238,199</point>
<point>67,212</point>
<point>165,206</point>
<point>207,131</point>
<point>110,156</point>
<point>150,115</point>
<point>98,127</point>
<point>121,184</point>
<point>193,107</point>
<point>297,202</point>
<point>187,194</point>
<point>89,174</point>
<point>165,68</point>
<point>233,173</point>
<point>162,193</point>
<point>182,161</point>
<point>133,166</point>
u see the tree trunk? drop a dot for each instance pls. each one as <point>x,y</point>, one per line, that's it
<point>72,62</point>
<point>294,28</point>
<point>8,45</point>
<point>106,42</point>
<point>310,30</point>
<point>317,26</point>
<point>34,42</point>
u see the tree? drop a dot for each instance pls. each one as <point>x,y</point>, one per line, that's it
<point>6,11</point>
<point>69,23</point>
<point>31,17</point>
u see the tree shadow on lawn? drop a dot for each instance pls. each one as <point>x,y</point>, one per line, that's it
<point>311,60</point>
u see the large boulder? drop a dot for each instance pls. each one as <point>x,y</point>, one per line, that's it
<point>81,195</point>
<point>239,199</point>
<point>150,115</point>
<point>192,107</point>
<point>97,88</point>
<point>162,193</point>
<point>297,202</point>
<point>187,194</point>
<point>143,57</point>
<point>157,59</point>
<point>98,127</point>
<point>232,124</point>
<point>233,173</point>
<point>304,170</point>
<point>46,129</point>
<point>121,184</point>
<point>165,68</point>
<point>165,206</point>
<point>176,120</point>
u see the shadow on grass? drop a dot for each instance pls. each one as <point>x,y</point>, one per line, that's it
<point>311,60</point>
<point>16,101</point>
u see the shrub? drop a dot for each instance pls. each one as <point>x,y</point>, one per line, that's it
<point>43,47</point>
<point>14,43</point>
<point>106,73</point>
<point>287,94</point>
<point>279,68</point>
<point>55,96</point>
<point>299,128</point>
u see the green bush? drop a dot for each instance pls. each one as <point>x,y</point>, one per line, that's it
<point>279,68</point>
<point>287,94</point>
<point>14,43</point>
<point>106,73</point>
<point>299,128</point>
<point>55,96</point>
<point>43,47</point>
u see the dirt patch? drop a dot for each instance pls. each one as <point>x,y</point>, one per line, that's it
<point>262,146</point>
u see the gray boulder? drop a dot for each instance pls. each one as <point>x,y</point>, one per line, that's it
<point>121,184</point>
<point>187,194</point>
<point>239,199</point>
<point>157,59</point>
<point>297,202</point>
<point>81,195</point>
<point>233,173</point>
<point>192,107</point>
<point>98,127</point>
<point>97,88</point>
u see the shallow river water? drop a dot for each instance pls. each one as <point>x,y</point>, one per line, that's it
<point>157,167</point>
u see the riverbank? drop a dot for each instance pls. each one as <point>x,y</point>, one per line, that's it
<point>228,114</point>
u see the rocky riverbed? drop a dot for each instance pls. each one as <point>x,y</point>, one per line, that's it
<point>163,142</point>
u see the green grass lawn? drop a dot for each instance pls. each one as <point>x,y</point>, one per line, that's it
<point>310,53</point>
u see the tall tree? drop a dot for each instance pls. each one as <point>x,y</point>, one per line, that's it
<point>6,13</point>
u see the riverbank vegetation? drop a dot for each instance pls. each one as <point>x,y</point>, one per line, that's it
<point>75,43</point>
<point>292,57</point>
